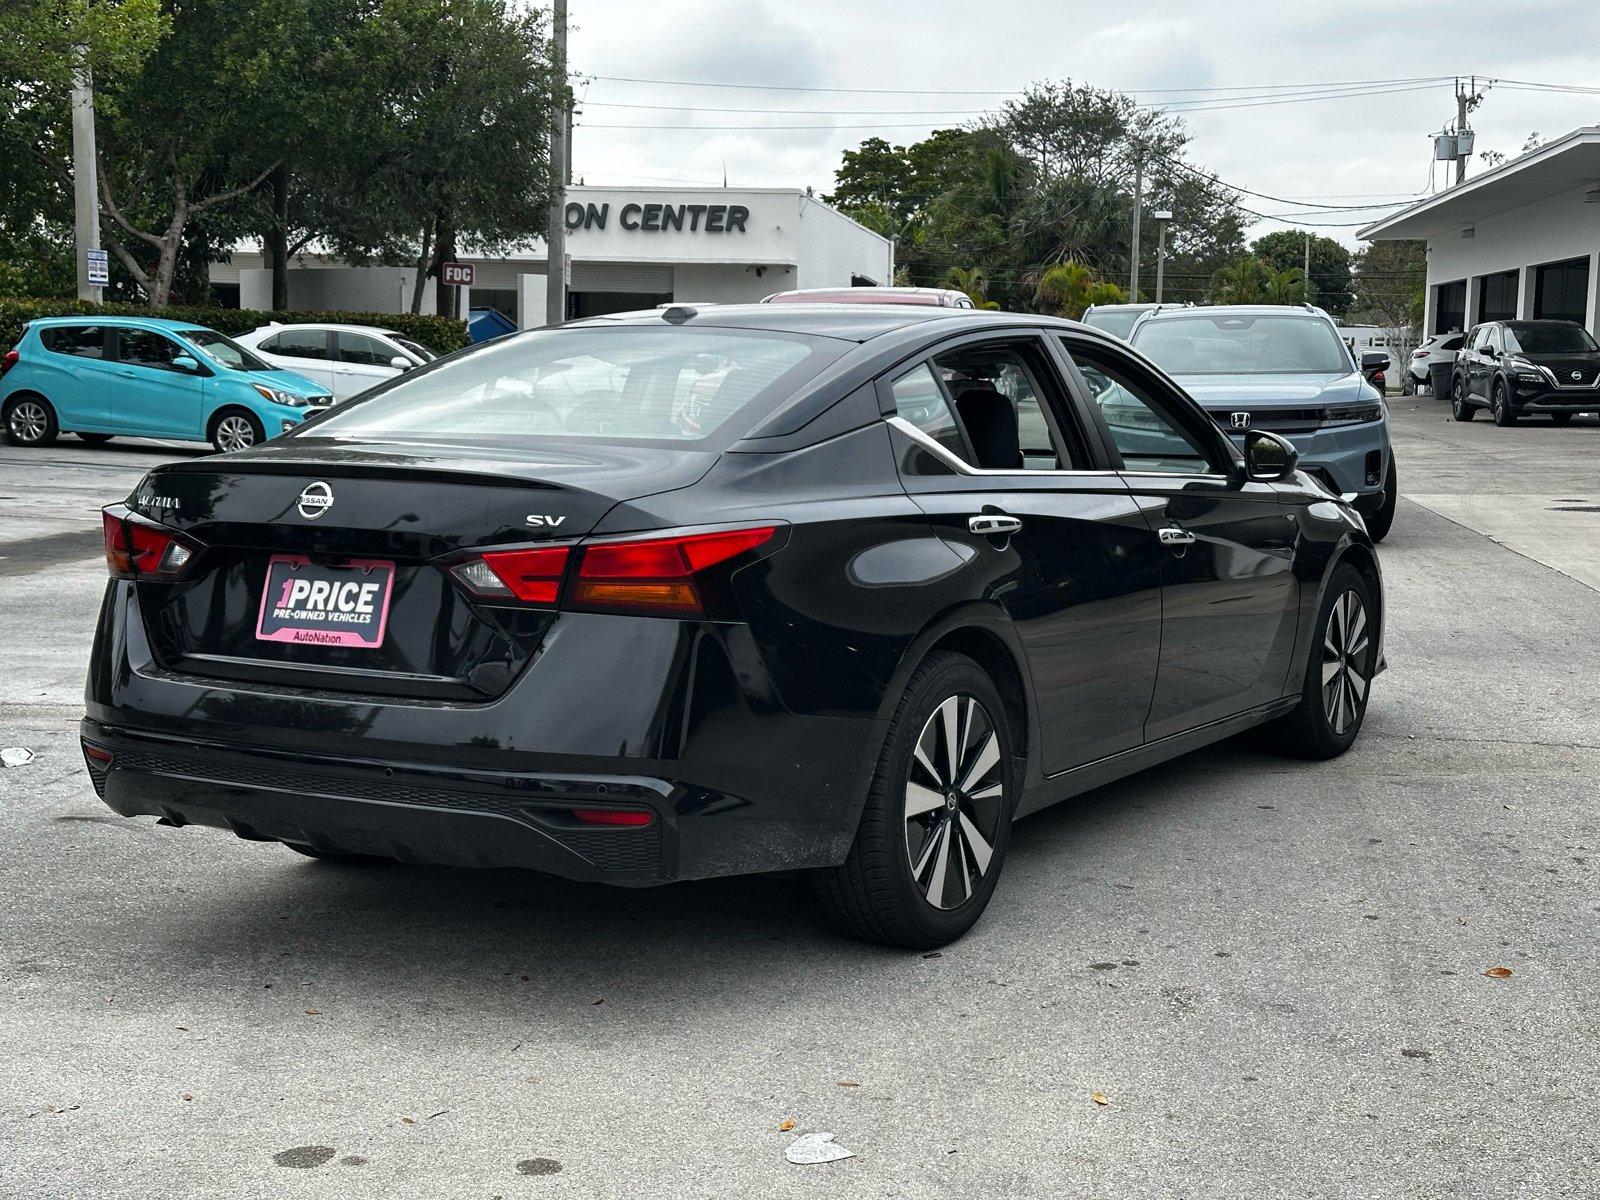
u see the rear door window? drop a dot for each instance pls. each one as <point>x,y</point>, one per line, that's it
<point>79,341</point>
<point>299,343</point>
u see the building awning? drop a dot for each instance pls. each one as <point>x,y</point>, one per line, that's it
<point>1566,163</point>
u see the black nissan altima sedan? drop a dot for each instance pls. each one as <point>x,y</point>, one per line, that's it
<point>697,592</point>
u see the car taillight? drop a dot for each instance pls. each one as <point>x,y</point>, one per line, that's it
<point>632,817</point>
<point>141,549</point>
<point>528,576</point>
<point>1419,354</point>
<point>9,361</point>
<point>1378,380</point>
<point>658,575</point>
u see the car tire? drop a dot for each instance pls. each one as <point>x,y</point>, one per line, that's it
<point>1460,407</point>
<point>334,856</point>
<point>1561,418</point>
<point>1382,519</point>
<point>1500,406</point>
<point>932,838</point>
<point>30,420</point>
<point>1408,384</point>
<point>1338,674</point>
<point>230,428</point>
<point>95,439</point>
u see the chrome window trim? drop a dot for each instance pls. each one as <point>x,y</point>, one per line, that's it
<point>961,467</point>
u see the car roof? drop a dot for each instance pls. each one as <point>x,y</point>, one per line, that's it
<point>336,326</point>
<point>1165,312</point>
<point>851,322</point>
<point>1143,304</point>
<point>165,323</point>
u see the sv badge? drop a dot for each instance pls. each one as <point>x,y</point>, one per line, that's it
<point>541,521</point>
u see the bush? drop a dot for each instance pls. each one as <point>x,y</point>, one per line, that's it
<point>439,334</point>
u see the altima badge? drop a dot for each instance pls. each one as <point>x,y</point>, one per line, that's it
<point>315,500</point>
<point>1239,420</point>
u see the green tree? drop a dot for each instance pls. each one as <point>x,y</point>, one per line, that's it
<point>1389,279</point>
<point>1284,249</point>
<point>1283,287</point>
<point>973,282</point>
<point>1243,281</point>
<point>1068,289</point>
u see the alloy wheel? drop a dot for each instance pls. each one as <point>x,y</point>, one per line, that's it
<point>235,433</point>
<point>953,801</point>
<point>29,421</point>
<point>1344,657</point>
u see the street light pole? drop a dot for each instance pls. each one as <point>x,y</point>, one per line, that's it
<point>555,295</point>
<point>85,181</point>
<point>1162,217</point>
<point>1138,204</point>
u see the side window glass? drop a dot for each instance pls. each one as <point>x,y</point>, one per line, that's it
<point>80,341</point>
<point>302,343</point>
<point>362,351</point>
<point>919,399</point>
<point>143,348</point>
<point>1452,343</point>
<point>1000,401</point>
<point>1144,433</point>
<point>1495,342</point>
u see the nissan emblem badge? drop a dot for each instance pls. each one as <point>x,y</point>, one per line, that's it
<point>315,500</point>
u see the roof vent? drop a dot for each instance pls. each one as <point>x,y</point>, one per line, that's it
<point>679,313</point>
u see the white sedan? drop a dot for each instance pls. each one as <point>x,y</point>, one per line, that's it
<point>345,359</point>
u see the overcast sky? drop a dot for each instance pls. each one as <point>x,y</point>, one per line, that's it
<point>1350,150</point>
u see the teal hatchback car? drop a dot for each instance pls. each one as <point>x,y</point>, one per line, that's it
<point>100,377</point>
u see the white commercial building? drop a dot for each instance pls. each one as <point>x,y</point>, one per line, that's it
<point>629,248</point>
<point>1520,241</point>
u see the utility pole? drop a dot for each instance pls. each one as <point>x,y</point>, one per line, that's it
<point>1138,203</point>
<point>1306,270</point>
<point>555,295</point>
<point>85,181</point>
<point>1466,101</point>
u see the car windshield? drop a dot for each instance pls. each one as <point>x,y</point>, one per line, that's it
<point>626,383</point>
<point>1243,344</point>
<point>1116,322</point>
<point>223,351</point>
<point>1555,338</point>
<point>416,348</point>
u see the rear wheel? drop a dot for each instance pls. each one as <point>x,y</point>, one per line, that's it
<point>30,421</point>
<point>937,821</point>
<point>1460,407</point>
<point>1500,406</point>
<point>1408,384</point>
<point>1382,519</point>
<point>235,429</point>
<point>1339,669</point>
<point>1561,418</point>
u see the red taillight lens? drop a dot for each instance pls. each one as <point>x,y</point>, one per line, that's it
<point>9,361</point>
<point>657,574</point>
<point>613,816</point>
<point>528,576</point>
<point>140,549</point>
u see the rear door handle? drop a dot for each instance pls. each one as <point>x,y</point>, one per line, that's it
<point>1173,536</point>
<point>991,524</point>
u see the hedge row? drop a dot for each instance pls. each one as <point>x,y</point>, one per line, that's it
<point>439,334</point>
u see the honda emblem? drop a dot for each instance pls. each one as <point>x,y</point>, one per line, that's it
<point>1239,420</point>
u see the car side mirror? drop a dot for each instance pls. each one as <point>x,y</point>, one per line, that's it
<point>400,362</point>
<point>1268,458</point>
<point>185,364</point>
<point>1374,360</point>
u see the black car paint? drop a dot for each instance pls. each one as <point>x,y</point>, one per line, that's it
<point>751,740</point>
<point>1480,372</point>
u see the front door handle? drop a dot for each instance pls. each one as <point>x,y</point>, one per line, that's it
<point>1173,536</point>
<point>991,524</point>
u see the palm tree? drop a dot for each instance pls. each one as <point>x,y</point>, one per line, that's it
<point>1068,288</point>
<point>1284,287</point>
<point>1242,281</point>
<point>972,281</point>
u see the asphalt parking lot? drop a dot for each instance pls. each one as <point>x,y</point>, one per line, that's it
<point>1272,972</point>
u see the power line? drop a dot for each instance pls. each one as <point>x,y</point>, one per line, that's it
<point>779,87</point>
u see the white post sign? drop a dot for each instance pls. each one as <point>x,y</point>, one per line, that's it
<point>99,264</point>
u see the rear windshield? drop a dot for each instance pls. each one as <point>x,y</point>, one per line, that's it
<point>1118,323</point>
<point>1555,338</point>
<point>1243,344</point>
<point>648,384</point>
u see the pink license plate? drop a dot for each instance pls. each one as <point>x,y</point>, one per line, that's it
<point>325,604</point>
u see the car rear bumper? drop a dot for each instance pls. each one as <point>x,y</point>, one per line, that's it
<point>733,783</point>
